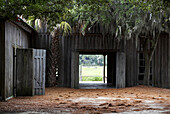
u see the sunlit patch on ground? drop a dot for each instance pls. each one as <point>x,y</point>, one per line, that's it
<point>140,99</point>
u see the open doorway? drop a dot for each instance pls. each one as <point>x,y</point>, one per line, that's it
<point>95,72</point>
<point>92,68</point>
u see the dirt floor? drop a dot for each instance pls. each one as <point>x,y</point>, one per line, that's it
<point>78,101</point>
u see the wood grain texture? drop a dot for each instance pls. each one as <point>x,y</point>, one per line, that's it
<point>15,37</point>
<point>75,70</point>
<point>120,70</point>
<point>31,65</point>
<point>25,72</point>
<point>39,71</point>
<point>161,58</point>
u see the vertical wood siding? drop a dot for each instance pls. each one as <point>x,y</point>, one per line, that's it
<point>77,42</point>
<point>161,63</point>
<point>42,41</point>
<point>131,63</point>
<point>94,40</point>
<point>120,69</point>
<point>2,59</point>
<point>15,37</point>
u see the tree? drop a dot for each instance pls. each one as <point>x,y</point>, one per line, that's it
<point>52,11</point>
<point>54,55</point>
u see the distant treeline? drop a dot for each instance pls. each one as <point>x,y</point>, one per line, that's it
<point>91,60</point>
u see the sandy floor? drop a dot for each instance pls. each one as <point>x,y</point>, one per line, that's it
<point>66,100</point>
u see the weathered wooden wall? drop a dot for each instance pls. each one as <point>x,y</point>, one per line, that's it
<point>161,63</point>
<point>2,58</point>
<point>76,42</point>
<point>120,70</point>
<point>42,41</point>
<point>15,37</point>
<point>75,70</point>
<point>131,63</point>
<point>95,41</point>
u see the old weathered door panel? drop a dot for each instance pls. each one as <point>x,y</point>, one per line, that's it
<point>30,72</point>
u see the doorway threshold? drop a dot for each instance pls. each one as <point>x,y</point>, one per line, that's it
<point>98,85</point>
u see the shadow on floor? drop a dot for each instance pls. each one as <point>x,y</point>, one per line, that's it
<point>95,86</point>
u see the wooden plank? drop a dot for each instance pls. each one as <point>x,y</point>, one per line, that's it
<point>128,63</point>
<point>40,76</point>
<point>69,63</point>
<point>165,62</point>
<point>168,62</point>
<point>120,70</point>
<point>153,69</point>
<point>39,72</point>
<point>44,71</point>
<point>61,76</point>
<point>134,63</point>
<point>2,59</point>
<point>75,70</point>
<point>66,63</point>
<point>158,61</point>
<point>162,63</point>
<point>157,58</point>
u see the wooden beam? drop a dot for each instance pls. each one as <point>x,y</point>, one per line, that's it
<point>120,70</point>
<point>104,74</point>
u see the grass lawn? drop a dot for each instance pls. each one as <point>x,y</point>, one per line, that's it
<point>92,73</point>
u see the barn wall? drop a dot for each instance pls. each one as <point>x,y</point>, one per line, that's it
<point>15,37</point>
<point>161,63</point>
<point>42,41</point>
<point>76,42</point>
<point>131,63</point>
<point>2,58</point>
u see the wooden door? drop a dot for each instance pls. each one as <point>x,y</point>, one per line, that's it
<point>39,67</point>
<point>24,72</point>
<point>30,75</point>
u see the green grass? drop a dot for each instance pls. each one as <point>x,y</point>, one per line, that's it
<point>92,73</point>
<point>86,78</point>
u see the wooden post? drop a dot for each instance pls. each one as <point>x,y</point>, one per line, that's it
<point>80,72</point>
<point>104,69</point>
<point>120,70</point>
<point>75,70</point>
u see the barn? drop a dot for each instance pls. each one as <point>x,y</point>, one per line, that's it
<point>16,41</point>
<point>125,62</point>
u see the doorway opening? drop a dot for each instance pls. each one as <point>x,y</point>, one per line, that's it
<point>92,68</point>
<point>97,70</point>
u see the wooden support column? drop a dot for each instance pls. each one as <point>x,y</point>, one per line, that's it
<point>75,70</point>
<point>120,70</point>
<point>104,73</point>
